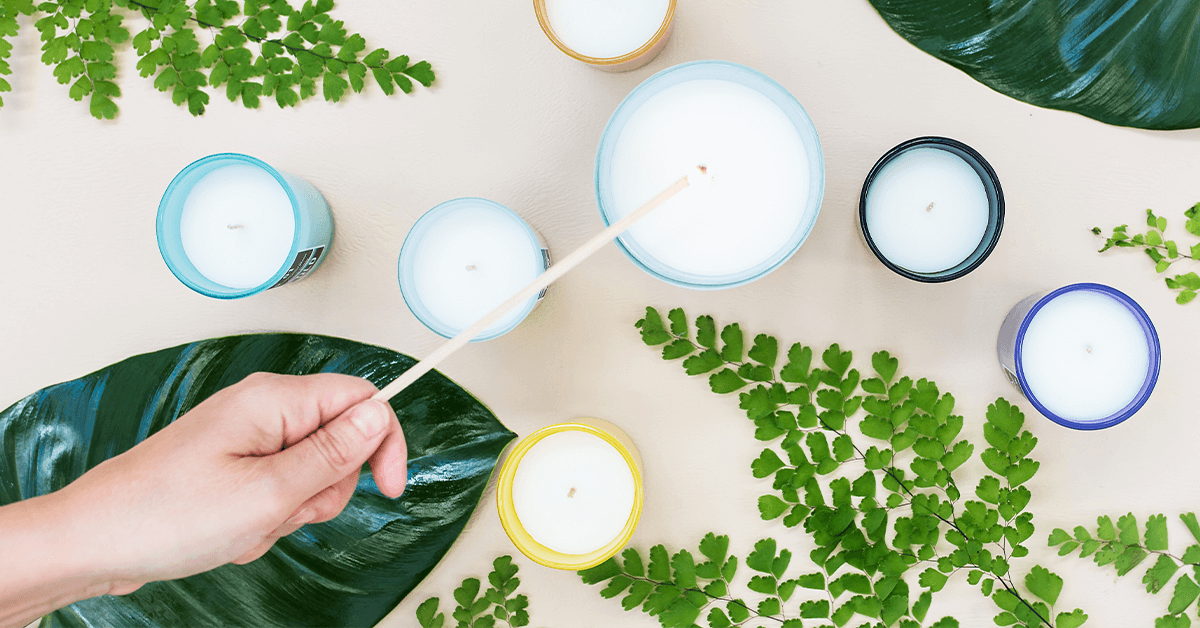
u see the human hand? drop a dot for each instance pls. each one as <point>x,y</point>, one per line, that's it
<point>249,465</point>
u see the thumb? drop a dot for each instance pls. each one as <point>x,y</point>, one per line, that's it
<point>337,449</point>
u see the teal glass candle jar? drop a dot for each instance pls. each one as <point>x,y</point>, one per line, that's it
<point>230,226</point>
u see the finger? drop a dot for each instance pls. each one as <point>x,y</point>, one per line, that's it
<point>330,502</point>
<point>314,400</point>
<point>125,588</point>
<point>389,464</point>
<point>254,554</point>
<point>283,530</point>
<point>268,412</point>
<point>331,453</point>
<point>295,522</point>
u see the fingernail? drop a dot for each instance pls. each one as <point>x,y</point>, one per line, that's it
<point>301,518</point>
<point>369,417</point>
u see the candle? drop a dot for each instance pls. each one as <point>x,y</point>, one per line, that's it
<point>573,492</point>
<point>931,209</point>
<point>1086,355</point>
<point>237,226</point>
<point>465,257</point>
<point>230,226</point>
<point>615,35</point>
<point>761,150</point>
<point>570,495</point>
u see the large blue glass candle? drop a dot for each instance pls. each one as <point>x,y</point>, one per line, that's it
<point>230,226</point>
<point>755,140</point>
<point>1085,355</point>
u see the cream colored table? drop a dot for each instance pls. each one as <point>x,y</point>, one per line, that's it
<point>513,119</point>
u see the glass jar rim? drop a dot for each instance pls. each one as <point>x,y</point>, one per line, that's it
<point>539,7</point>
<point>408,248</point>
<point>748,77</point>
<point>1152,371</point>
<point>991,183</point>
<point>167,219</point>
<point>530,546</point>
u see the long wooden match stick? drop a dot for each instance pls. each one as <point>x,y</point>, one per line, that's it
<point>545,279</point>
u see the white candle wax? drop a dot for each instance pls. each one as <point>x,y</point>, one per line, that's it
<point>1085,356</point>
<point>760,185</point>
<point>927,210</point>
<point>470,261</point>
<point>573,492</point>
<point>606,29</point>
<point>237,226</point>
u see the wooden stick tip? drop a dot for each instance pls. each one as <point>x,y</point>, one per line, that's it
<point>701,178</point>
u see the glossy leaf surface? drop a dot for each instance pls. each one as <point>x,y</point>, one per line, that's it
<point>1124,62</point>
<point>347,572</point>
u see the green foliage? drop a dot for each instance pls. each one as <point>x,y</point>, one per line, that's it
<point>1163,253</point>
<point>1122,547</point>
<point>1117,62</point>
<point>254,48</point>
<point>497,607</point>
<point>691,588</point>
<point>849,455</point>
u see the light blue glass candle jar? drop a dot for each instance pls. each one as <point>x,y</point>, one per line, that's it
<point>1086,355</point>
<point>230,226</point>
<point>752,136</point>
<point>464,258</point>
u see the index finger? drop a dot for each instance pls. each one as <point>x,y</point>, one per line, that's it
<point>282,410</point>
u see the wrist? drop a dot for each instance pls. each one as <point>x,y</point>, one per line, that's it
<point>89,557</point>
<point>53,563</point>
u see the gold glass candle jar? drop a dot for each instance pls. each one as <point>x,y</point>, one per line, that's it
<point>616,36</point>
<point>570,495</point>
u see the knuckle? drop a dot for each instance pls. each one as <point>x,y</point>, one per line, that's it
<point>274,499</point>
<point>254,386</point>
<point>259,378</point>
<point>326,506</point>
<point>278,506</point>
<point>334,447</point>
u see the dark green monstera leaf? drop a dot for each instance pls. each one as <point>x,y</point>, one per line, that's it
<point>1125,62</point>
<point>348,572</point>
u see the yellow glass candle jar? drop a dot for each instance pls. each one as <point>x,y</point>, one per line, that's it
<point>570,495</point>
<point>616,36</point>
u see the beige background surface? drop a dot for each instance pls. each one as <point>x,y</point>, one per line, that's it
<point>513,119</point>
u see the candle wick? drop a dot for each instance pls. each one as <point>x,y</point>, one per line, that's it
<point>471,267</point>
<point>236,226</point>
<point>572,493</point>
<point>703,179</point>
<point>930,208</point>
